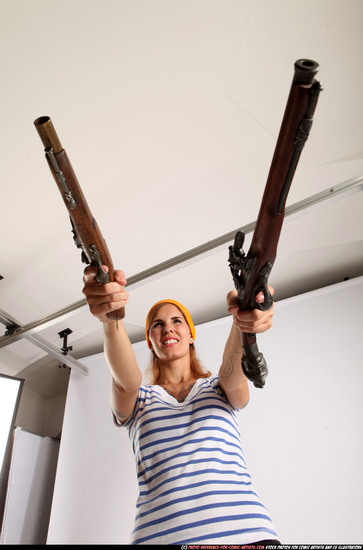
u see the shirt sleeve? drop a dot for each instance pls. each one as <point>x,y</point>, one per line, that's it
<point>214,381</point>
<point>139,405</point>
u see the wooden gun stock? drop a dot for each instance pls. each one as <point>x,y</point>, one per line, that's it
<point>250,272</point>
<point>87,235</point>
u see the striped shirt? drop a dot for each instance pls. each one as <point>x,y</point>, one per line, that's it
<point>194,486</point>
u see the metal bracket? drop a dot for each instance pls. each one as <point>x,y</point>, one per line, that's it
<point>48,347</point>
<point>64,334</point>
<point>11,328</point>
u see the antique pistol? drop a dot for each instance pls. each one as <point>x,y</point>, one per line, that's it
<point>250,271</point>
<point>86,233</point>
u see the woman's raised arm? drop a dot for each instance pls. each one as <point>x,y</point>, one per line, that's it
<point>231,377</point>
<point>126,375</point>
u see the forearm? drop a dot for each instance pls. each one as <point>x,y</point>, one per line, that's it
<point>231,376</point>
<point>231,372</point>
<point>121,358</point>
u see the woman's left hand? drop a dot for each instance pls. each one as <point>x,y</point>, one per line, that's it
<point>253,320</point>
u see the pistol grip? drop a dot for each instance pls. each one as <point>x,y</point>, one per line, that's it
<point>253,362</point>
<point>117,315</point>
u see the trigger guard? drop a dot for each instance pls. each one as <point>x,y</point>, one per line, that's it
<point>268,301</point>
<point>101,276</point>
<point>262,286</point>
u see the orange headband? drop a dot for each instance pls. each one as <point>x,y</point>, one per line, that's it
<point>183,309</point>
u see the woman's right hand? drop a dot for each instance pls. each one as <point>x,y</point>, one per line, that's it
<point>104,298</point>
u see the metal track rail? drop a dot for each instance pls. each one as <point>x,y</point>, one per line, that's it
<point>7,320</point>
<point>337,192</point>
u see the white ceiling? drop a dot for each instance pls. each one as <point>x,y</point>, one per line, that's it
<point>169,111</point>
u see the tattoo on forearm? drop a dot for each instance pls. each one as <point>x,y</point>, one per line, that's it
<point>230,364</point>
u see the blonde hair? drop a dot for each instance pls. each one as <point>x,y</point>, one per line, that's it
<point>153,371</point>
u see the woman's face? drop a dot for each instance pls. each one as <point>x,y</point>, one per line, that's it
<point>169,333</point>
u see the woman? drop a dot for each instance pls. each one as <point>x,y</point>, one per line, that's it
<point>194,484</point>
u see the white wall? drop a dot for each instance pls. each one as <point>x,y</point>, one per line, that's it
<point>53,415</point>
<point>39,415</point>
<point>30,489</point>
<point>30,415</point>
<point>301,433</point>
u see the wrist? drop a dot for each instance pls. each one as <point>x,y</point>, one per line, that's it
<point>112,327</point>
<point>236,339</point>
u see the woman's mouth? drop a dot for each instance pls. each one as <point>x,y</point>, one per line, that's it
<point>169,342</point>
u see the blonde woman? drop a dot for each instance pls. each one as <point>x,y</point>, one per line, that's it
<point>194,486</point>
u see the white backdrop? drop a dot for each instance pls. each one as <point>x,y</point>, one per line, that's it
<point>301,434</point>
<point>29,493</point>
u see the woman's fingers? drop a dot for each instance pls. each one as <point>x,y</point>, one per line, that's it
<point>104,298</point>
<point>253,320</point>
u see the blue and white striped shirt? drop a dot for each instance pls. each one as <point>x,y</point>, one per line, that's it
<point>194,484</point>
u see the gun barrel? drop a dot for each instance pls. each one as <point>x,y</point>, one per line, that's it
<point>305,71</point>
<point>47,133</point>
